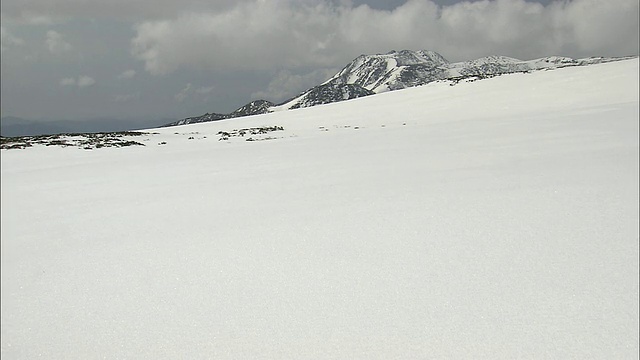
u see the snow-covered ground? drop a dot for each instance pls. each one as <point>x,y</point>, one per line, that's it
<point>495,219</point>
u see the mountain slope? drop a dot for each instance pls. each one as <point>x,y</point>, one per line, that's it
<point>370,74</point>
<point>407,224</point>
<point>374,71</point>
<point>326,94</point>
<point>399,70</point>
<point>253,108</point>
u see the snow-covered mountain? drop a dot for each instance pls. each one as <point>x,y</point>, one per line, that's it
<point>329,93</point>
<point>401,225</point>
<point>381,72</point>
<point>372,74</point>
<point>399,70</point>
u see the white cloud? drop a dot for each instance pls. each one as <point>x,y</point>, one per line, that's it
<point>204,90</point>
<point>184,93</point>
<point>189,91</point>
<point>261,35</point>
<point>37,19</point>
<point>81,81</point>
<point>249,36</point>
<point>67,82</point>
<point>8,40</point>
<point>56,43</point>
<point>84,81</point>
<point>128,74</point>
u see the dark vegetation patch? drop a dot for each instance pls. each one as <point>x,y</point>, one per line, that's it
<point>475,77</point>
<point>225,135</point>
<point>261,139</point>
<point>81,140</point>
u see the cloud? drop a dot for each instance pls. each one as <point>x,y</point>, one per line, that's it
<point>55,42</point>
<point>255,36</point>
<point>128,74</point>
<point>189,90</point>
<point>184,93</point>
<point>269,35</point>
<point>81,81</point>
<point>58,11</point>
<point>84,81</point>
<point>126,97</point>
<point>7,39</point>
<point>67,82</point>
<point>204,90</point>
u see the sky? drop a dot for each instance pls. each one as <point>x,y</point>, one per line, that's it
<point>146,59</point>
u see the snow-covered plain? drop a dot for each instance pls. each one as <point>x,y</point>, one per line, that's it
<point>490,219</point>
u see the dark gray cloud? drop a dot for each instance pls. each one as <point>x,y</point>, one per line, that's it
<point>56,11</point>
<point>171,59</point>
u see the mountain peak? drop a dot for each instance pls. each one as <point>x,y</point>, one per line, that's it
<point>394,70</point>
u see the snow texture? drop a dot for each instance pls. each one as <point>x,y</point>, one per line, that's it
<point>495,219</point>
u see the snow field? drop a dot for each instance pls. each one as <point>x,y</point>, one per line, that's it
<point>493,219</point>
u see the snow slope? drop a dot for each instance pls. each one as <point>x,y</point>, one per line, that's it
<point>495,219</point>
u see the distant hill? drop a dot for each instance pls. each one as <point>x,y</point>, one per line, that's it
<point>14,126</point>
<point>252,108</point>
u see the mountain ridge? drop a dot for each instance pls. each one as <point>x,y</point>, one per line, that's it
<point>372,74</point>
<point>255,107</point>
